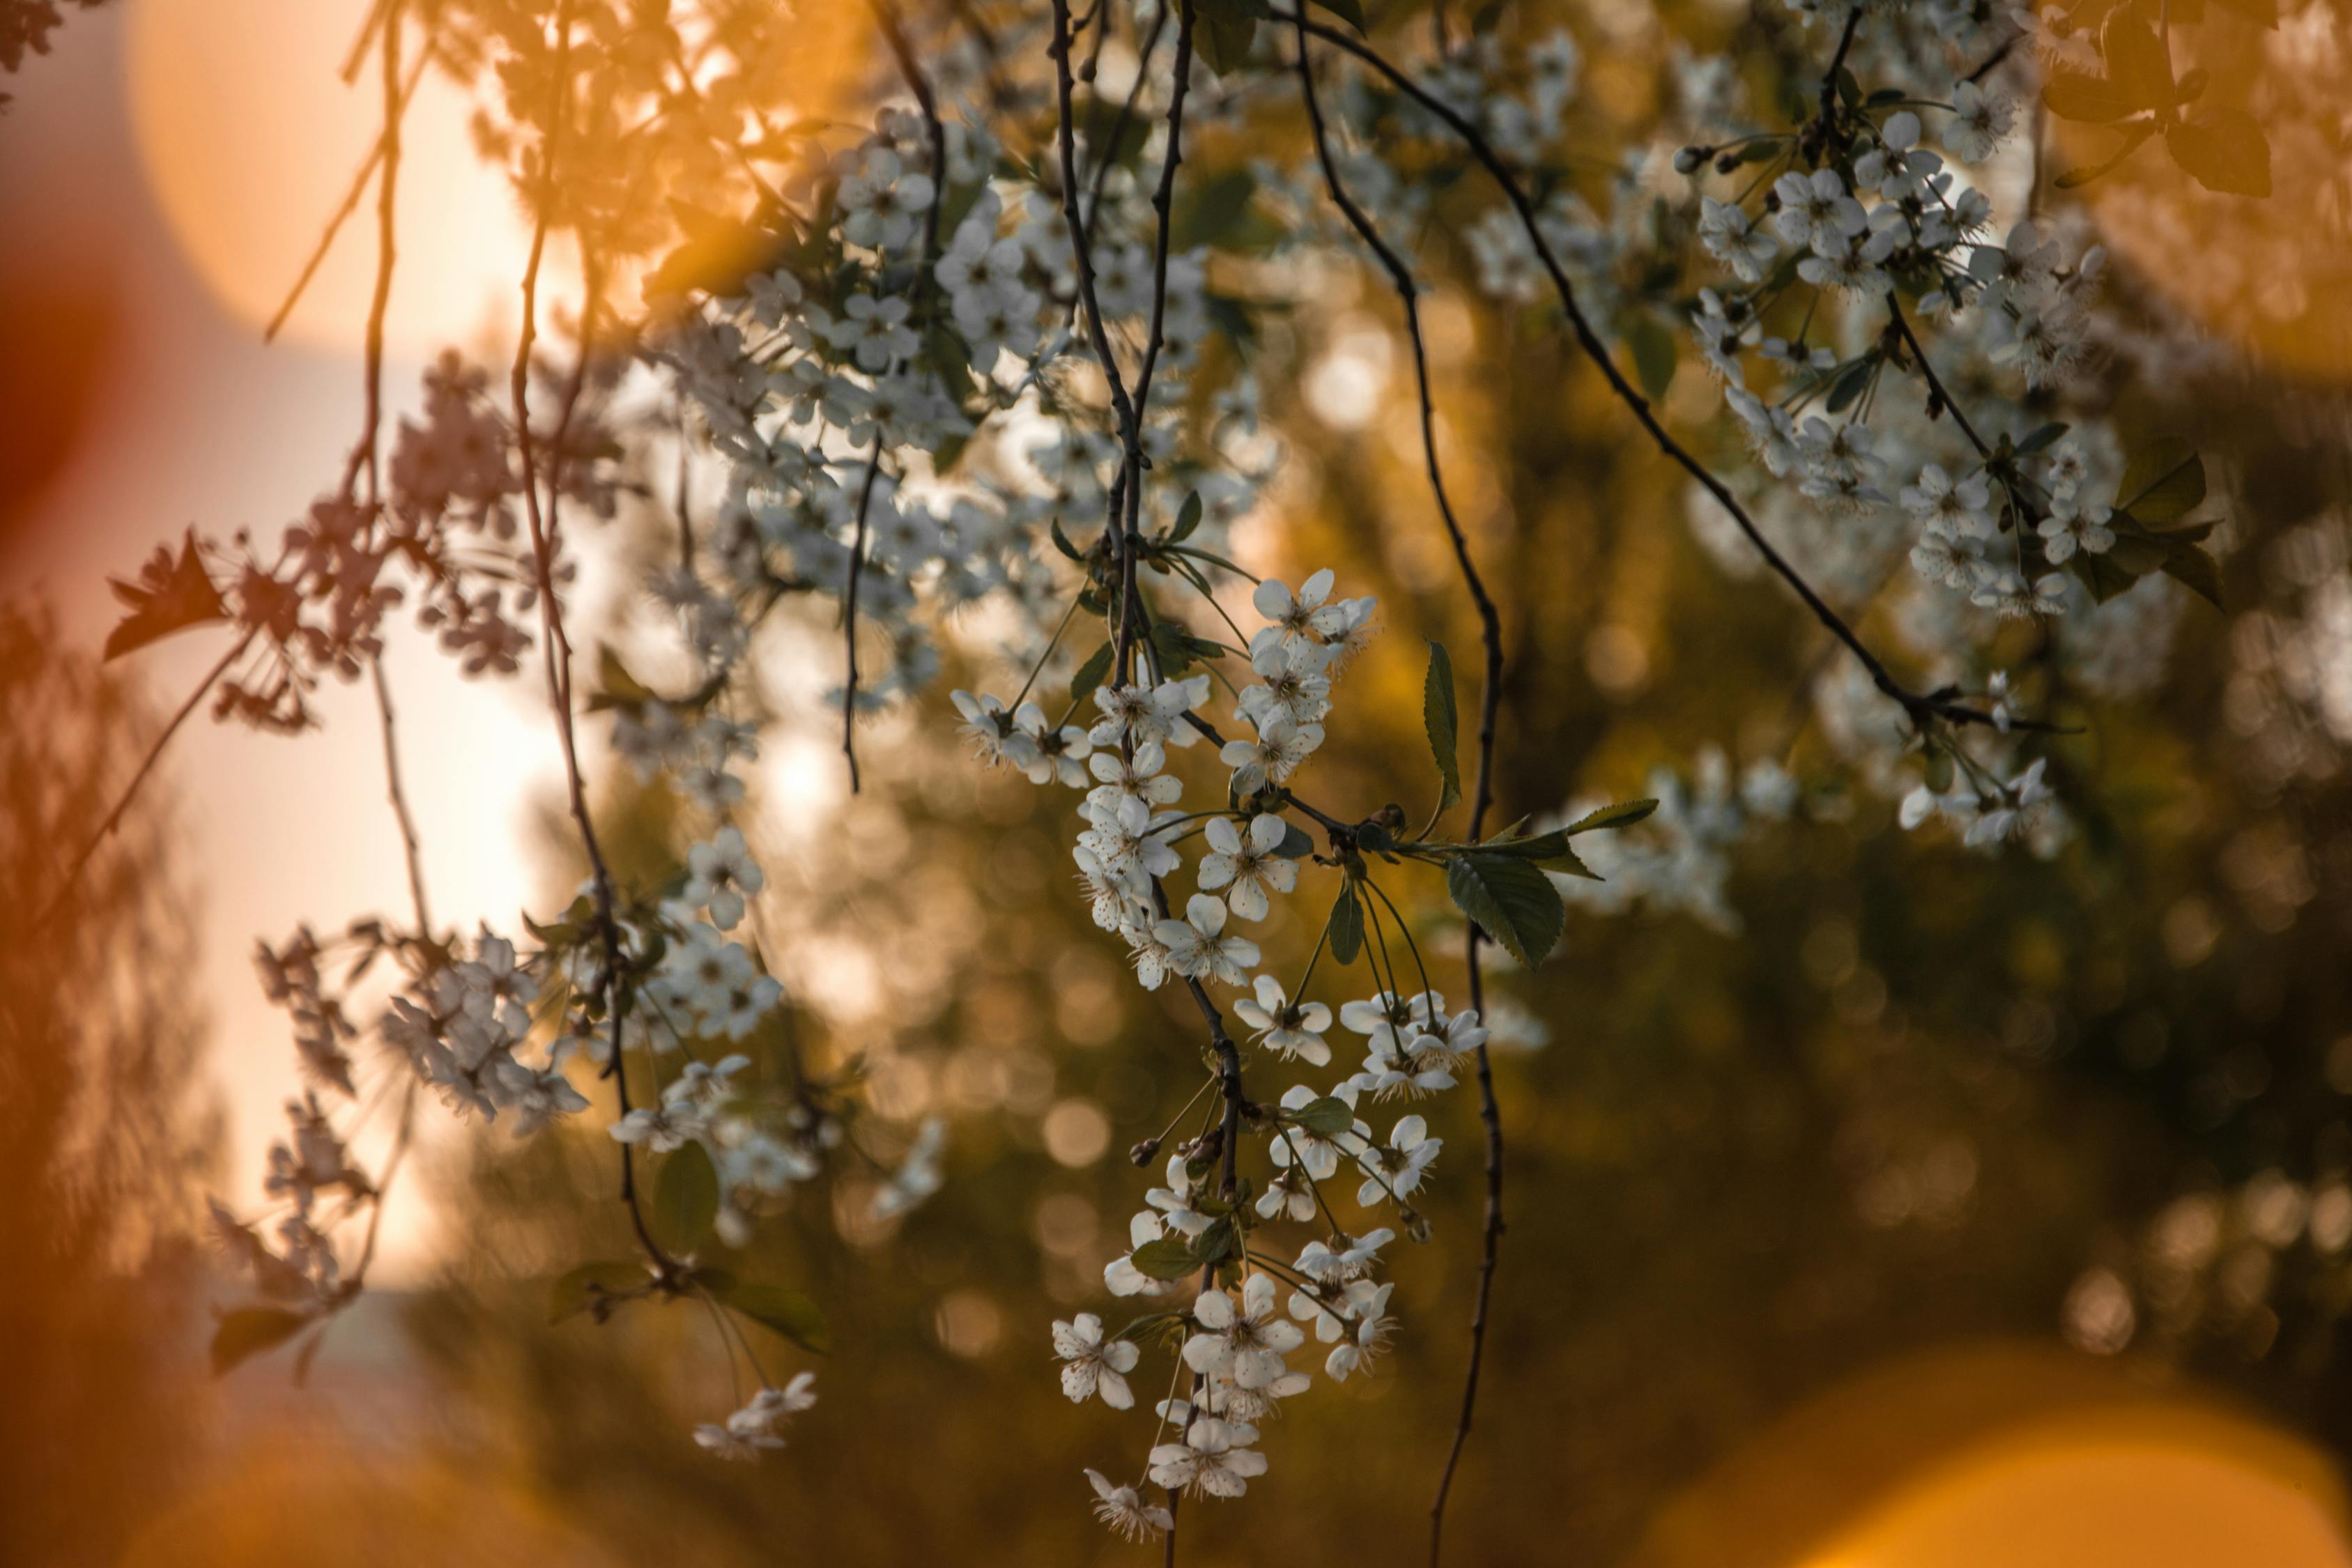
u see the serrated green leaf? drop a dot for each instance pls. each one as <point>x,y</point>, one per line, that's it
<point>2163,483</point>
<point>1188,518</point>
<point>172,593</point>
<point>1090,674</point>
<point>1348,11</point>
<point>685,1197</point>
<point>1511,899</point>
<point>1438,720</point>
<point>2102,575</point>
<point>1849,385</point>
<point>1326,1118</point>
<point>247,1331</point>
<point>579,1290</point>
<point>1624,813</point>
<point>2188,565</point>
<point>1653,348</point>
<point>1346,926</point>
<point>2223,150</point>
<point>1223,32</point>
<point>781,1312</point>
<point>1168,644</point>
<point>1219,1242</point>
<point>1544,850</point>
<point>1169,1258</point>
<point>2087,98</point>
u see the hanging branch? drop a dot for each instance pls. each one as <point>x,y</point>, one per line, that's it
<point>1490,629</point>
<point>1921,707</point>
<point>556,648</point>
<point>921,85</point>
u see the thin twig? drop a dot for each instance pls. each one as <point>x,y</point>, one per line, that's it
<point>1482,794</point>
<point>919,84</point>
<point>555,646</point>
<point>350,204</point>
<point>113,819</point>
<point>1920,707</point>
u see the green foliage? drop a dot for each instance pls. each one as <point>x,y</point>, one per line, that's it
<point>249,1331</point>
<point>781,1312</point>
<point>1437,719</point>
<point>685,1197</point>
<point>590,1287</point>
<point>173,594</point>
<point>1511,899</point>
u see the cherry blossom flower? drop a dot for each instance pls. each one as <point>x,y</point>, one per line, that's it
<point>1091,1364</point>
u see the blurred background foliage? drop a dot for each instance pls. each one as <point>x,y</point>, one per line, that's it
<point>1919,1098</point>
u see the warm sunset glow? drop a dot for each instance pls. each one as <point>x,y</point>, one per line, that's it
<point>250,142</point>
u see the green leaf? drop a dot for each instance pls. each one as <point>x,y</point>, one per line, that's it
<point>1219,1242</point>
<point>1296,844</point>
<point>1214,209</point>
<point>1188,518</point>
<point>1437,717</point>
<point>2082,97</point>
<point>1653,350</point>
<point>2040,437</point>
<point>172,595</point>
<point>1346,926</point>
<point>780,1311</point>
<point>1168,643</point>
<point>1512,900</point>
<point>1348,11</point>
<point>249,1332</point>
<point>1090,674</point>
<point>2163,483</point>
<point>1624,813</point>
<point>685,1197</point>
<point>1061,542</point>
<point>1545,849</point>
<point>1326,1118</point>
<point>2223,150</point>
<point>616,686</point>
<point>1223,32</point>
<point>2104,576</point>
<point>2189,564</point>
<point>1850,384</point>
<point>2136,64</point>
<point>1169,1258</point>
<point>581,1289</point>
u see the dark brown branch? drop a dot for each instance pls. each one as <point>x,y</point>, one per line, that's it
<point>113,819</point>
<point>1491,637</point>
<point>1943,399</point>
<point>556,646</point>
<point>350,204</point>
<point>1107,153</point>
<point>1921,707</point>
<point>924,290</point>
<point>1829,78</point>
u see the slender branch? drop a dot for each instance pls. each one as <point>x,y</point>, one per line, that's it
<point>350,204</point>
<point>113,819</point>
<point>1942,398</point>
<point>1920,706</point>
<point>412,846</point>
<point>556,646</point>
<point>1108,154</point>
<point>924,285</point>
<point>1491,637</point>
<point>1830,78</point>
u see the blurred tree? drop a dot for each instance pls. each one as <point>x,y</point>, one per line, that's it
<point>102,1140</point>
